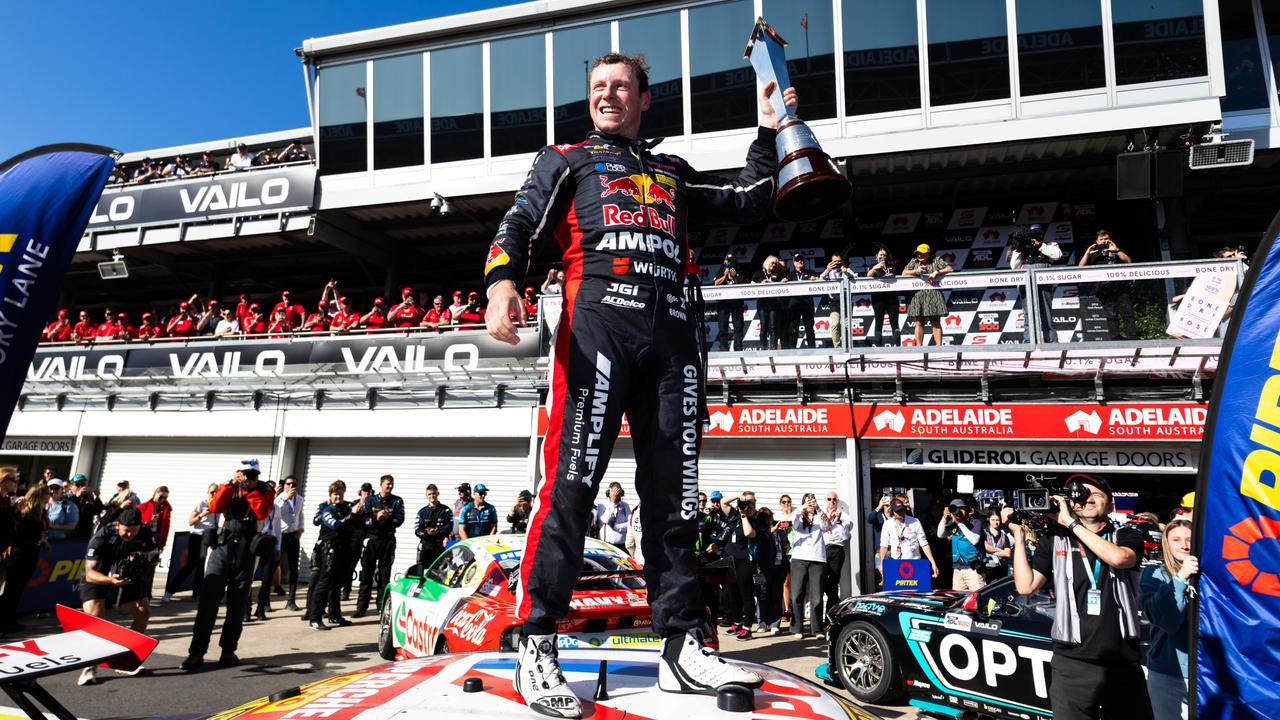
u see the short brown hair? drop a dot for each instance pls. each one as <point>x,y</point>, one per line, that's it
<point>432,488</point>
<point>337,486</point>
<point>635,62</point>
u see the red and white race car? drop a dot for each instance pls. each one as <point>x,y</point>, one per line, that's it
<point>466,601</point>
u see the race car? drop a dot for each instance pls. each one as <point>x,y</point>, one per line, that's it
<point>951,654</point>
<point>466,601</point>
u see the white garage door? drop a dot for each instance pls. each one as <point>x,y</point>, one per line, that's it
<point>187,467</point>
<point>768,466</point>
<point>499,464</point>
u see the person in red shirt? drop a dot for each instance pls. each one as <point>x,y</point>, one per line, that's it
<point>156,513</point>
<point>279,326</point>
<point>182,325</point>
<point>471,315</point>
<point>530,303</point>
<point>318,321</point>
<point>59,330</point>
<point>375,319</point>
<point>346,319</point>
<point>406,314</point>
<point>109,329</point>
<point>242,310</point>
<point>148,330</point>
<point>294,313</point>
<point>128,331</point>
<point>437,315</point>
<point>83,330</point>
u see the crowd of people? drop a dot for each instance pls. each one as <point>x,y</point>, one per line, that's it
<point>154,170</point>
<point>334,313</point>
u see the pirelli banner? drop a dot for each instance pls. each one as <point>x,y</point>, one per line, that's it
<point>252,192</point>
<point>1067,423</point>
<point>326,356</point>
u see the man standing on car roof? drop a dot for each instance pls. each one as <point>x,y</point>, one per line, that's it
<point>625,343</point>
<point>245,504</point>
<point>386,513</point>
<point>1093,568</point>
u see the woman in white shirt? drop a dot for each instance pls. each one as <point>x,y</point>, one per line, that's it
<point>808,562</point>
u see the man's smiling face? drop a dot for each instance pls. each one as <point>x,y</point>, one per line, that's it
<point>615,100</point>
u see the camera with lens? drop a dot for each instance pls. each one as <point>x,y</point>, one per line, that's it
<point>1024,238</point>
<point>132,566</point>
<point>729,262</point>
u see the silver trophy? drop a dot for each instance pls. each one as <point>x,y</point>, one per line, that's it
<point>809,183</point>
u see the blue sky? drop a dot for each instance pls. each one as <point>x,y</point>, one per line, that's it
<point>144,73</point>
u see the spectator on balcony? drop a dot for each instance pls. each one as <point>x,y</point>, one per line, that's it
<point>884,304</point>
<point>729,312</point>
<point>242,309</point>
<point>330,296</point>
<point>176,168</point>
<point>376,318</point>
<point>835,270</point>
<point>257,324</point>
<point>242,159</point>
<point>346,319</point>
<point>279,326</point>
<point>128,331</point>
<point>182,325</point>
<point>266,156</point>
<point>209,319</point>
<point>228,325</point>
<point>59,330</point>
<point>294,312</point>
<point>149,330</point>
<point>437,315</point>
<point>109,328</point>
<point>83,331</point>
<point>406,313</point>
<point>206,166</point>
<point>318,321</point>
<point>471,315</point>
<point>554,282</point>
<point>458,304</point>
<point>530,304</point>
<point>799,307</point>
<point>1114,294</point>
<point>1028,251</point>
<point>295,152</point>
<point>927,305</point>
<point>149,170</point>
<point>772,312</point>
<point>119,176</point>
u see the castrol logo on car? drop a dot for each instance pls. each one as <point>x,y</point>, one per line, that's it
<point>471,626</point>
<point>412,631</point>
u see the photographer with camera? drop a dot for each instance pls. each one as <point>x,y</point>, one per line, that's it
<point>245,504</point>
<point>1093,568</point>
<point>729,312</point>
<point>808,563</point>
<point>1028,250</point>
<point>1114,295</point>
<point>119,559</point>
<point>835,269</point>
<point>742,548</point>
<point>967,548</point>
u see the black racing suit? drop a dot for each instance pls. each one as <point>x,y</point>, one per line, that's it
<point>380,551</point>
<point>330,559</point>
<point>432,528</point>
<point>625,343</point>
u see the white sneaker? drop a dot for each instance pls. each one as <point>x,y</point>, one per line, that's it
<point>88,676</point>
<point>539,680</point>
<point>688,665</point>
<point>131,673</point>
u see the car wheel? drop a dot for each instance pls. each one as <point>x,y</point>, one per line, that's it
<point>867,668</point>
<point>386,637</point>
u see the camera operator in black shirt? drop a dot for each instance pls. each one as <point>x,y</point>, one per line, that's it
<point>1093,568</point>
<point>1114,295</point>
<point>729,312</point>
<point>118,560</point>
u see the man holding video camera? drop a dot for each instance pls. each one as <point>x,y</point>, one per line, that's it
<point>1093,568</point>
<point>119,559</point>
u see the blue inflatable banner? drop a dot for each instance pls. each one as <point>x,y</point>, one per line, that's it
<point>46,197</point>
<point>1237,510</point>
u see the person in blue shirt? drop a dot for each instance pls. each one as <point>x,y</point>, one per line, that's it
<point>478,517</point>
<point>385,513</point>
<point>337,520</point>
<point>64,514</point>
<point>1165,597</point>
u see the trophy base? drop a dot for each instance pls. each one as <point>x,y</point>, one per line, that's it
<point>809,186</point>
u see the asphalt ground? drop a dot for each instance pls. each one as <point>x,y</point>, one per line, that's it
<point>283,652</point>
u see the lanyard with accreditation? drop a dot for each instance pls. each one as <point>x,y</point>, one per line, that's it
<point>1092,598</point>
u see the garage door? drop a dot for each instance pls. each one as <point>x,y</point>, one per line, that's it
<point>187,467</point>
<point>768,466</point>
<point>499,464</point>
